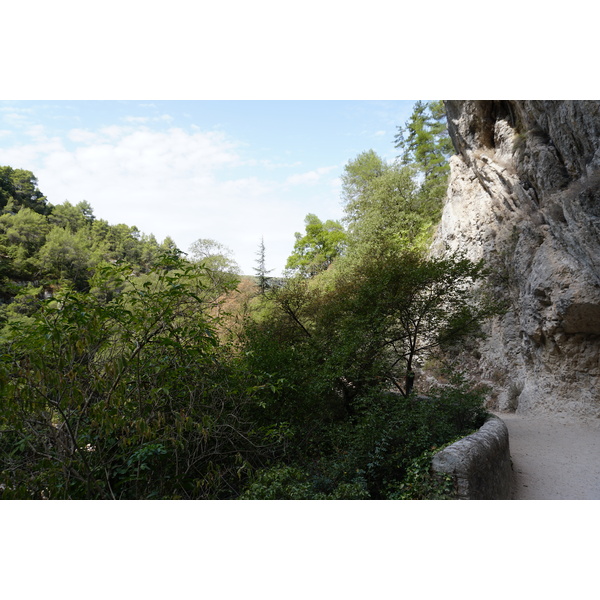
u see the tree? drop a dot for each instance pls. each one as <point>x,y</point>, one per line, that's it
<point>220,270</point>
<point>262,274</point>
<point>25,228</point>
<point>357,178</point>
<point>72,217</point>
<point>213,256</point>
<point>326,351</point>
<point>320,245</point>
<point>67,255</point>
<point>404,307</point>
<point>383,207</point>
<point>426,145</point>
<point>19,189</point>
<point>365,326</point>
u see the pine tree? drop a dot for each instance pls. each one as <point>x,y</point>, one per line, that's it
<point>426,146</point>
<point>264,281</point>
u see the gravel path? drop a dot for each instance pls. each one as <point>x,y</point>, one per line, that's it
<point>554,458</point>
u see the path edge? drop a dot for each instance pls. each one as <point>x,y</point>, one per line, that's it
<point>480,463</point>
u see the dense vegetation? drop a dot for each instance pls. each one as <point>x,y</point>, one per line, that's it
<point>131,371</point>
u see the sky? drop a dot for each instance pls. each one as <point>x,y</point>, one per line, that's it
<point>235,171</point>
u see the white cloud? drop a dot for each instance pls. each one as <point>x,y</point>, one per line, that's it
<point>15,118</point>
<point>132,119</point>
<point>82,136</point>
<point>271,164</point>
<point>136,119</point>
<point>37,132</point>
<point>114,132</point>
<point>310,177</point>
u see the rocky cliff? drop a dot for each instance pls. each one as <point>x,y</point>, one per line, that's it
<point>524,194</point>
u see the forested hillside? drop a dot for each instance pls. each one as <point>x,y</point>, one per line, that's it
<point>43,245</point>
<point>131,370</point>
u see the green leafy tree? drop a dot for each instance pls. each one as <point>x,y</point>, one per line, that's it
<point>403,308</point>
<point>213,255</point>
<point>390,214</point>
<point>25,228</point>
<point>383,208</point>
<point>67,255</point>
<point>217,260</point>
<point>22,234</point>
<point>367,326</point>
<point>168,245</point>
<point>318,247</point>
<point>357,180</point>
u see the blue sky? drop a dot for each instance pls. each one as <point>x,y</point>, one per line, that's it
<point>233,171</point>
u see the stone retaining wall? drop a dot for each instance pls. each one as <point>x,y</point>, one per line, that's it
<point>479,463</point>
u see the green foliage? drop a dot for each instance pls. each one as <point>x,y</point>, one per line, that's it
<point>284,482</point>
<point>262,273</point>
<point>384,207</point>
<point>367,323</point>
<point>420,483</point>
<point>325,356</point>
<point>213,255</point>
<point>26,229</point>
<point>18,189</point>
<point>315,251</point>
<point>43,245</point>
<point>426,146</point>
<point>220,270</point>
<point>358,175</point>
<point>66,255</point>
<point>72,218</point>
<point>383,451</point>
<point>123,392</point>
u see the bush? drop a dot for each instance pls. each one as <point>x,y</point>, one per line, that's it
<point>420,483</point>
<point>125,392</point>
<point>383,452</point>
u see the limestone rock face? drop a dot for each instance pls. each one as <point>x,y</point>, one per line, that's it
<point>524,194</point>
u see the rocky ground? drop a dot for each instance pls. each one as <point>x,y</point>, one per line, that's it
<point>554,458</point>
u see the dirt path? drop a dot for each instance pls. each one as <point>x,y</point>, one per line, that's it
<point>554,458</point>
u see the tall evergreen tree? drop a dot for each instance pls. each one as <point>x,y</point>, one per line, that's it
<point>262,274</point>
<point>426,146</point>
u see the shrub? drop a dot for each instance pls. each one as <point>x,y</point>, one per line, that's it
<point>125,392</point>
<point>383,452</point>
